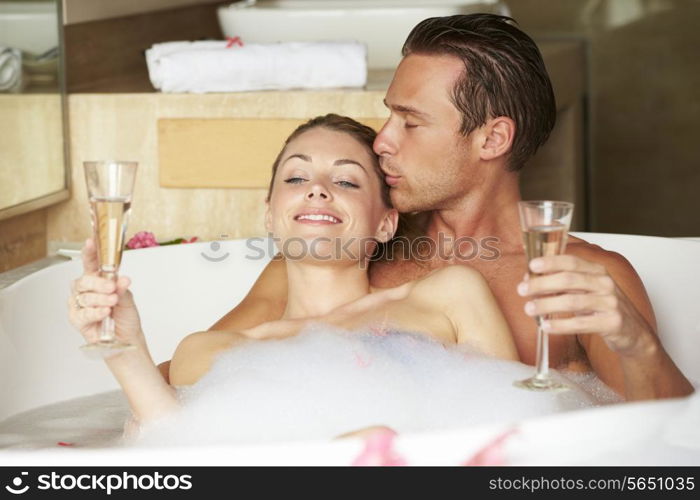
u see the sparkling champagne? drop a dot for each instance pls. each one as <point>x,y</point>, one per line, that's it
<point>541,241</point>
<point>109,218</point>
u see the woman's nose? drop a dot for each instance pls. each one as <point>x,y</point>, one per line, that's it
<point>318,191</point>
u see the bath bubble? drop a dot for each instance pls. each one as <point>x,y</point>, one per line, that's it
<point>326,382</point>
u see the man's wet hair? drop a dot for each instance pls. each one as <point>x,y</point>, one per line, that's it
<point>504,76</point>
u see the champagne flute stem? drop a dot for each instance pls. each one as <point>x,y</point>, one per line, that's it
<point>542,372</point>
<point>107,331</point>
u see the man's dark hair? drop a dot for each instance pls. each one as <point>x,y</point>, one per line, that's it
<point>504,75</point>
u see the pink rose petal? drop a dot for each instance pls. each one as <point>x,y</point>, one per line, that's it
<point>493,453</point>
<point>379,450</point>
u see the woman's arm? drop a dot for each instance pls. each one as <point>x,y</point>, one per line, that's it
<point>93,299</point>
<point>266,301</point>
<point>149,395</point>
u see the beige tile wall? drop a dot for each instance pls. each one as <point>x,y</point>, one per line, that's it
<point>124,126</point>
<point>31,147</point>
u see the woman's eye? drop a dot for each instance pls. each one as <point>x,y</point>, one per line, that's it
<point>410,125</point>
<point>294,180</point>
<point>347,184</point>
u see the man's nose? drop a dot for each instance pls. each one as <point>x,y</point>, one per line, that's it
<point>384,143</point>
<point>318,191</point>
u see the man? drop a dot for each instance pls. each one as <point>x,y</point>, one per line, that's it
<point>470,103</point>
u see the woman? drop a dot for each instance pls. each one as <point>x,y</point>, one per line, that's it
<point>329,208</point>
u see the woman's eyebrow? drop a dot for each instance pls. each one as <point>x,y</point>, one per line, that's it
<point>347,161</point>
<point>336,163</point>
<point>306,158</point>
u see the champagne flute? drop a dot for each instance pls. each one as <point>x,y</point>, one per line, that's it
<point>545,227</point>
<point>110,185</point>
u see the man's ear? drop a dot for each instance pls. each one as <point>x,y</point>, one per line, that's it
<point>388,226</point>
<point>498,134</point>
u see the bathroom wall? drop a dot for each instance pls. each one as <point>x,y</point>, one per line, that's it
<point>126,126</point>
<point>645,107</point>
<point>31,122</point>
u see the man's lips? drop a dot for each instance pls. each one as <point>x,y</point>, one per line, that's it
<point>392,180</point>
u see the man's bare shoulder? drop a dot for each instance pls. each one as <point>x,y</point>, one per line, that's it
<point>620,270</point>
<point>612,261</point>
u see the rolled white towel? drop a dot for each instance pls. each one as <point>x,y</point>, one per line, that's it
<point>10,69</point>
<point>201,67</point>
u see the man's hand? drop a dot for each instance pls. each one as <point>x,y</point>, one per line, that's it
<point>567,285</point>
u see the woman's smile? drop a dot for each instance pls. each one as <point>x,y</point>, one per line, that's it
<point>317,217</point>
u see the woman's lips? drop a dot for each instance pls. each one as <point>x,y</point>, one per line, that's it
<point>392,180</point>
<point>317,219</point>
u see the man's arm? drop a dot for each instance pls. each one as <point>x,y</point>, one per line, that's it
<point>613,319</point>
<point>265,302</point>
<point>643,369</point>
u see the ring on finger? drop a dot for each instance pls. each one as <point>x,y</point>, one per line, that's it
<point>76,299</point>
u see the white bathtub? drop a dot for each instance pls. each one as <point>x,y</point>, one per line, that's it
<point>382,24</point>
<point>180,291</point>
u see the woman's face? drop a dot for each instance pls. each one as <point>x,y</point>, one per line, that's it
<point>326,199</point>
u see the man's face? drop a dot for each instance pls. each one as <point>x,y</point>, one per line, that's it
<point>425,157</point>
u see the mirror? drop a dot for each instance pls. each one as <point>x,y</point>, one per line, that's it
<point>33,171</point>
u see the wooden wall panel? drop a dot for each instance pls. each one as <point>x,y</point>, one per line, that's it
<point>22,239</point>
<point>108,55</point>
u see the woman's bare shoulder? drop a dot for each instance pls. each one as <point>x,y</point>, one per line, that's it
<point>450,280</point>
<point>447,288</point>
<point>195,353</point>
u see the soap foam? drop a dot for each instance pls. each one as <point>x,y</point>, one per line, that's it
<point>325,382</point>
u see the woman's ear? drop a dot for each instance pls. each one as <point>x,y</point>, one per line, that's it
<point>499,134</point>
<point>387,227</point>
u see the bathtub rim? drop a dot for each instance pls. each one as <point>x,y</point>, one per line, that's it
<point>11,277</point>
<point>436,447</point>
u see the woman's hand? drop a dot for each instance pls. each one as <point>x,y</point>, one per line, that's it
<point>586,294</point>
<point>93,298</point>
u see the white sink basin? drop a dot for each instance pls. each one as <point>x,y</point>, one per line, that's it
<point>29,26</point>
<point>382,24</point>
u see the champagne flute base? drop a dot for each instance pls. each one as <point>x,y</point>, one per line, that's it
<point>105,348</point>
<point>540,384</point>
